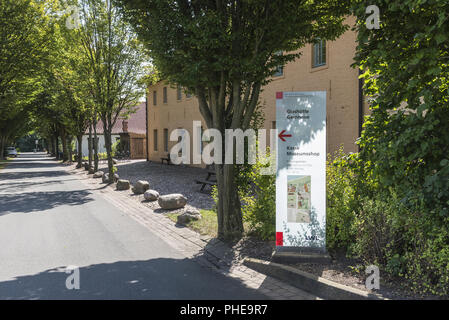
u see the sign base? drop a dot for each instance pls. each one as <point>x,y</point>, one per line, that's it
<point>295,255</point>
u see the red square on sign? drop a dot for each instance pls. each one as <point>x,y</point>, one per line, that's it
<point>279,239</point>
<point>279,95</point>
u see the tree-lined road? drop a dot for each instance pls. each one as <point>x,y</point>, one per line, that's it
<point>48,221</point>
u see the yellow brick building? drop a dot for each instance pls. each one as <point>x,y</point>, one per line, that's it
<point>325,66</point>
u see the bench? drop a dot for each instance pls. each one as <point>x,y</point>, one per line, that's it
<point>167,158</point>
<point>205,183</point>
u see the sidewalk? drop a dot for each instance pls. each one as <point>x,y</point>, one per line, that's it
<point>209,252</point>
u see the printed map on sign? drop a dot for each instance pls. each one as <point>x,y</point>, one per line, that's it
<point>298,199</point>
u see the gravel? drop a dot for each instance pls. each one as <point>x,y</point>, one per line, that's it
<point>165,179</point>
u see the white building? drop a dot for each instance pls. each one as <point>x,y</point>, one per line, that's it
<point>116,130</point>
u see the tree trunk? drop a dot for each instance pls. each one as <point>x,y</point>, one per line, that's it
<point>95,142</point>
<point>89,145</point>
<point>57,147</point>
<point>65,156</point>
<point>229,213</point>
<point>79,138</point>
<point>108,145</point>
<point>69,145</point>
<point>48,145</point>
<point>2,147</point>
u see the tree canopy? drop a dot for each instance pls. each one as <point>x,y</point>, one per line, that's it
<point>406,71</point>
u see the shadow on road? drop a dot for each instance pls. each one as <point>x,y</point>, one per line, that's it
<point>23,175</point>
<point>23,184</point>
<point>39,201</point>
<point>160,278</point>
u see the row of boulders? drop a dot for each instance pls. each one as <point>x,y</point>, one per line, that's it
<point>167,202</point>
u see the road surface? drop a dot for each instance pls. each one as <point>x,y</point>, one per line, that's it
<point>49,221</point>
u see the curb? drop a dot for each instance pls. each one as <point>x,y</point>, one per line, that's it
<point>308,282</point>
<point>293,257</point>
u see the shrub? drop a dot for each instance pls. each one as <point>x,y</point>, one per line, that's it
<point>114,148</point>
<point>383,226</point>
<point>377,230</point>
<point>341,203</point>
<point>259,203</point>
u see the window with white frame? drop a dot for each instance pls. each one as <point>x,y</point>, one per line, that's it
<point>319,53</point>
<point>280,70</point>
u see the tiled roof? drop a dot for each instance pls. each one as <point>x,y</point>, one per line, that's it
<point>136,122</point>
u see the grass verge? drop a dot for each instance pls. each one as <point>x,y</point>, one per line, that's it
<point>205,226</point>
<point>208,225</point>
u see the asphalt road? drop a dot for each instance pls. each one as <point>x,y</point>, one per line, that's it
<point>49,221</point>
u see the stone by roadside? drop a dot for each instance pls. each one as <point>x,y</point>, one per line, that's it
<point>165,179</point>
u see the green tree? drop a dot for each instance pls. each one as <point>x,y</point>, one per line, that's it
<point>225,52</point>
<point>115,59</point>
<point>23,50</point>
<point>406,70</point>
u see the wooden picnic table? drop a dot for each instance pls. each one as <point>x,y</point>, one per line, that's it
<point>208,181</point>
<point>167,158</point>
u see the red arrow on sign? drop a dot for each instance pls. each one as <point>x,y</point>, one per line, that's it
<point>282,135</point>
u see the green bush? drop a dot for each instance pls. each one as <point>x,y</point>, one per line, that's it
<point>258,197</point>
<point>341,204</point>
<point>114,147</point>
<point>377,230</point>
<point>379,225</point>
<point>259,202</point>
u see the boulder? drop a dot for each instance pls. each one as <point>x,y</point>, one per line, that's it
<point>151,195</point>
<point>98,174</point>
<point>123,184</point>
<point>140,187</point>
<point>172,201</point>
<point>188,215</point>
<point>106,177</point>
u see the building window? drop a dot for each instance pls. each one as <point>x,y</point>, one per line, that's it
<point>178,92</point>
<point>154,98</point>
<point>280,70</point>
<point>166,140</point>
<point>155,139</point>
<point>319,54</point>
<point>165,99</point>
<point>273,124</point>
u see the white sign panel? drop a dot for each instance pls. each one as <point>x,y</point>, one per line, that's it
<point>301,169</point>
